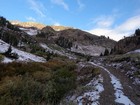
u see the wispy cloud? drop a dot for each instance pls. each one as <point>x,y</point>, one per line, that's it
<point>103,21</point>
<point>30,19</point>
<point>116,33</point>
<point>130,24</point>
<point>38,7</point>
<point>80,4</point>
<point>57,24</point>
<point>61,3</point>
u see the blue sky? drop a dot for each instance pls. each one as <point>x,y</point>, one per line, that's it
<point>113,18</point>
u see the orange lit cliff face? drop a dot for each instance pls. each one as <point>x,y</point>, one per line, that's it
<point>39,25</point>
<point>28,24</point>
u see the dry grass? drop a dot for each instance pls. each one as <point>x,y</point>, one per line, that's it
<point>36,83</point>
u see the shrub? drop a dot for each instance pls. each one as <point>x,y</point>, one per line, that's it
<point>36,83</point>
<point>24,91</point>
<point>55,64</point>
<point>63,81</point>
<point>95,71</point>
<point>41,76</point>
<point>15,68</point>
<point>1,57</point>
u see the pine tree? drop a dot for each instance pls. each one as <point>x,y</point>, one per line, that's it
<point>8,52</point>
<point>137,32</point>
<point>101,54</point>
<point>112,50</point>
<point>106,52</point>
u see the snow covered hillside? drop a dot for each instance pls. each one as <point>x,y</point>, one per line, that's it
<point>61,51</point>
<point>23,56</point>
<point>30,31</point>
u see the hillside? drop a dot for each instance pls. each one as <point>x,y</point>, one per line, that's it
<point>67,38</point>
<point>128,44</point>
<point>76,41</point>
<point>22,56</point>
<point>61,39</point>
<point>46,41</point>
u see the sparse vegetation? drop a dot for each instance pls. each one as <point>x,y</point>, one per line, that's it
<point>63,42</point>
<point>36,83</point>
<point>125,57</point>
<point>1,57</point>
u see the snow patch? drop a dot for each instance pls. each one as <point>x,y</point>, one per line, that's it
<point>23,56</point>
<point>135,51</point>
<point>93,96</point>
<point>61,52</point>
<point>30,31</point>
<point>45,47</point>
<point>120,97</point>
<point>7,60</point>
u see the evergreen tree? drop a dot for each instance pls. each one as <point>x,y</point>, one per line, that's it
<point>137,32</point>
<point>106,52</point>
<point>112,50</point>
<point>8,52</point>
<point>101,54</point>
<point>48,56</point>
<point>108,37</point>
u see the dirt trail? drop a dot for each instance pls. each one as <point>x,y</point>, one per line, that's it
<point>130,90</point>
<point>114,84</point>
<point>107,96</point>
<point>117,88</point>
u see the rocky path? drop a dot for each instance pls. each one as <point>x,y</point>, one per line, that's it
<point>131,90</point>
<point>111,87</point>
<point>115,92</point>
<point>107,96</point>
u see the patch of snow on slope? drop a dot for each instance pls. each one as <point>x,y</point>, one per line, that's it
<point>138,51</point>
<point>45,47</point>
<point>23,56</point>
<point>30,31</point>
<point>135,51</point>
<point>7,60</point>
<point>93,96</point>
<point>120,97</point>
<point>62,52</point>
<point>3,46</point>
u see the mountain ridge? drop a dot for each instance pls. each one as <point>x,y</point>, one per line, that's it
<point>38,25</point>
<point>68,40</point>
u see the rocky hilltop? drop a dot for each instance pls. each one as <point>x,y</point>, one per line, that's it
<point>28,24</point>
<point>76,40</point>
<point>128,44</point>
<point>38,25</point>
